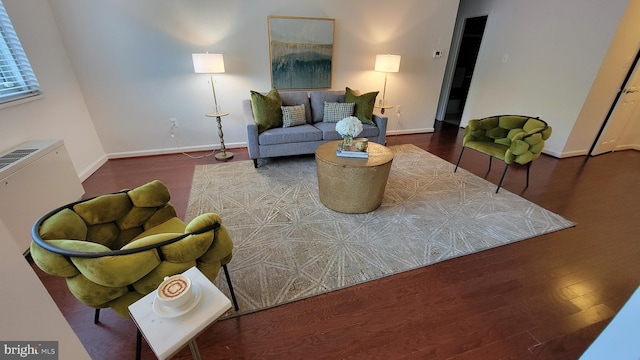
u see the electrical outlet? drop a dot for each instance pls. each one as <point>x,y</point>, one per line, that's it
<point>398,110</point>
<point>173,122</point>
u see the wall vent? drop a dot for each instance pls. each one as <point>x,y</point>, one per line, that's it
<point>14,156</point>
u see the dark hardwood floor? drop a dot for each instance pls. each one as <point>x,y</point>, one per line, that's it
<point>546,298</point>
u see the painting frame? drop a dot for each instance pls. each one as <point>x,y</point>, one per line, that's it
<point>300,52</point>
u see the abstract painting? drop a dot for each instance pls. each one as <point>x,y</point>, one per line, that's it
<point>301,52</point>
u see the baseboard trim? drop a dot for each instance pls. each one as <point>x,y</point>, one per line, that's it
<point>410,131</point>
<point>568,154</point>
<point>84,175</point>
<point>628,147</point>
<point>173,150</point>
<point>586,152</point>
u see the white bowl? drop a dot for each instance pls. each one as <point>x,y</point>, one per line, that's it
<point>175,291</point>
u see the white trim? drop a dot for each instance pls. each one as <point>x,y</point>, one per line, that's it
<point>21,101</point>
<point>84,175</point>
<point>627,147</point>
<point>586,152</point>
<point>174,150</point>
<point>410,131</point>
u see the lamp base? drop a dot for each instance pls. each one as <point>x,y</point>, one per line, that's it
<point>224,156</point>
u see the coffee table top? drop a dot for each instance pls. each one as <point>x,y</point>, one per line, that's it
<point>378,155</point>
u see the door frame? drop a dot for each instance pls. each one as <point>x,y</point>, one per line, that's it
<point>454,50</point>
<point>616,101</point>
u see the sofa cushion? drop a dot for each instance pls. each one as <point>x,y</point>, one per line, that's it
<point>335,111</point>
<point>291,98</point>
<point>318,98</point>
<point>293,115</point>
<point>302,133</point>
<point>329,132</point>
<point>266,109</point>
<point>364,105</point>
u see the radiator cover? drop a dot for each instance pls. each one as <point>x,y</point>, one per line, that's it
<point>35,178</point>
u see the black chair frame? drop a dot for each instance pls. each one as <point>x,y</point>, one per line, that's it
<point>504,172</point>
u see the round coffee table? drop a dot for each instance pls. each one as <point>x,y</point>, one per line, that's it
<point>352,185</point>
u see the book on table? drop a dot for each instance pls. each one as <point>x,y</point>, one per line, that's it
<point>352,152</point>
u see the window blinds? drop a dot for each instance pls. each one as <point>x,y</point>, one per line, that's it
<point>17,80</point>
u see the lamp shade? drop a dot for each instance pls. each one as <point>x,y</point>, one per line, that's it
<point>387,63</point>
<point>208,63</point>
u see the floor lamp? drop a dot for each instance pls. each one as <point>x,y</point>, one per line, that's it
<point>386,63</point>
<point>213,64</point>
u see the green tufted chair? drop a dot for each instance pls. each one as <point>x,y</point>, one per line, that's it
<point>116,248</point>
<point>510,138</point>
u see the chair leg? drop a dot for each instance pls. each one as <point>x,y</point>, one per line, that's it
<point>506,167</point>
<point>490,160</point>
<point>528,168</point>
<point>233,294</point>
<point>255,163</point>
<point>96,316</point>
<point>459,158</point>
<point>138,344</point>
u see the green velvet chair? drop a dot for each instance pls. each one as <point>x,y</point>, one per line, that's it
<point>510,138</point>
<point>116,248</point>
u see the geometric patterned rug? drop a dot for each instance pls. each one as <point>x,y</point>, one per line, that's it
<point>288,246</point>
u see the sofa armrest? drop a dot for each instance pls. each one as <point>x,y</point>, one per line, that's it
<point>381,123</point>
<point>252,130</point>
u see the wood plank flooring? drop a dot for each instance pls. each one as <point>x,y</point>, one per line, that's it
<point>545,298</point>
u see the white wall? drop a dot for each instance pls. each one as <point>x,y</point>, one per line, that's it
<point>114,72</point>
<point>62,112</point>
<point>615,66</point>
<point>133,62</point>
<point>28,313</point>
<point>554,51</point>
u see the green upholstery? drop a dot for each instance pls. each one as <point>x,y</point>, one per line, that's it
<point>267,109</point>
<point>510,138</point>
<point>364,105</point>
<point>104,225</point>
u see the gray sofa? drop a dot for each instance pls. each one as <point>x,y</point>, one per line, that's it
<point>303,139</point>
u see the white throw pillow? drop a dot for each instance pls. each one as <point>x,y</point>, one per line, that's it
<point>293,115</point>
<point>334,111</point>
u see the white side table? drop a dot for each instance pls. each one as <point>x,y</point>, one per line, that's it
<point>167,335</point>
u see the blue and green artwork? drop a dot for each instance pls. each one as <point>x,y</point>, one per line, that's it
<point>301,52</point>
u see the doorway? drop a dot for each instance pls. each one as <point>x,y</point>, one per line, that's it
<point>622,113</point>
<point>460,81</point>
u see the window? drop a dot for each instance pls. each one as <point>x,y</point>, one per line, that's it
<point>17,80</point>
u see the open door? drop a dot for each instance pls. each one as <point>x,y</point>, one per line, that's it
<point>624,110</point>
<point>462,73</point>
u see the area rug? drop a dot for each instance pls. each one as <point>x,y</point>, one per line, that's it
<point>288,246</point>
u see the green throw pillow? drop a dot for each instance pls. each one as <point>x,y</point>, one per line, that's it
<point>364,105</point>
<point>266,109</point>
